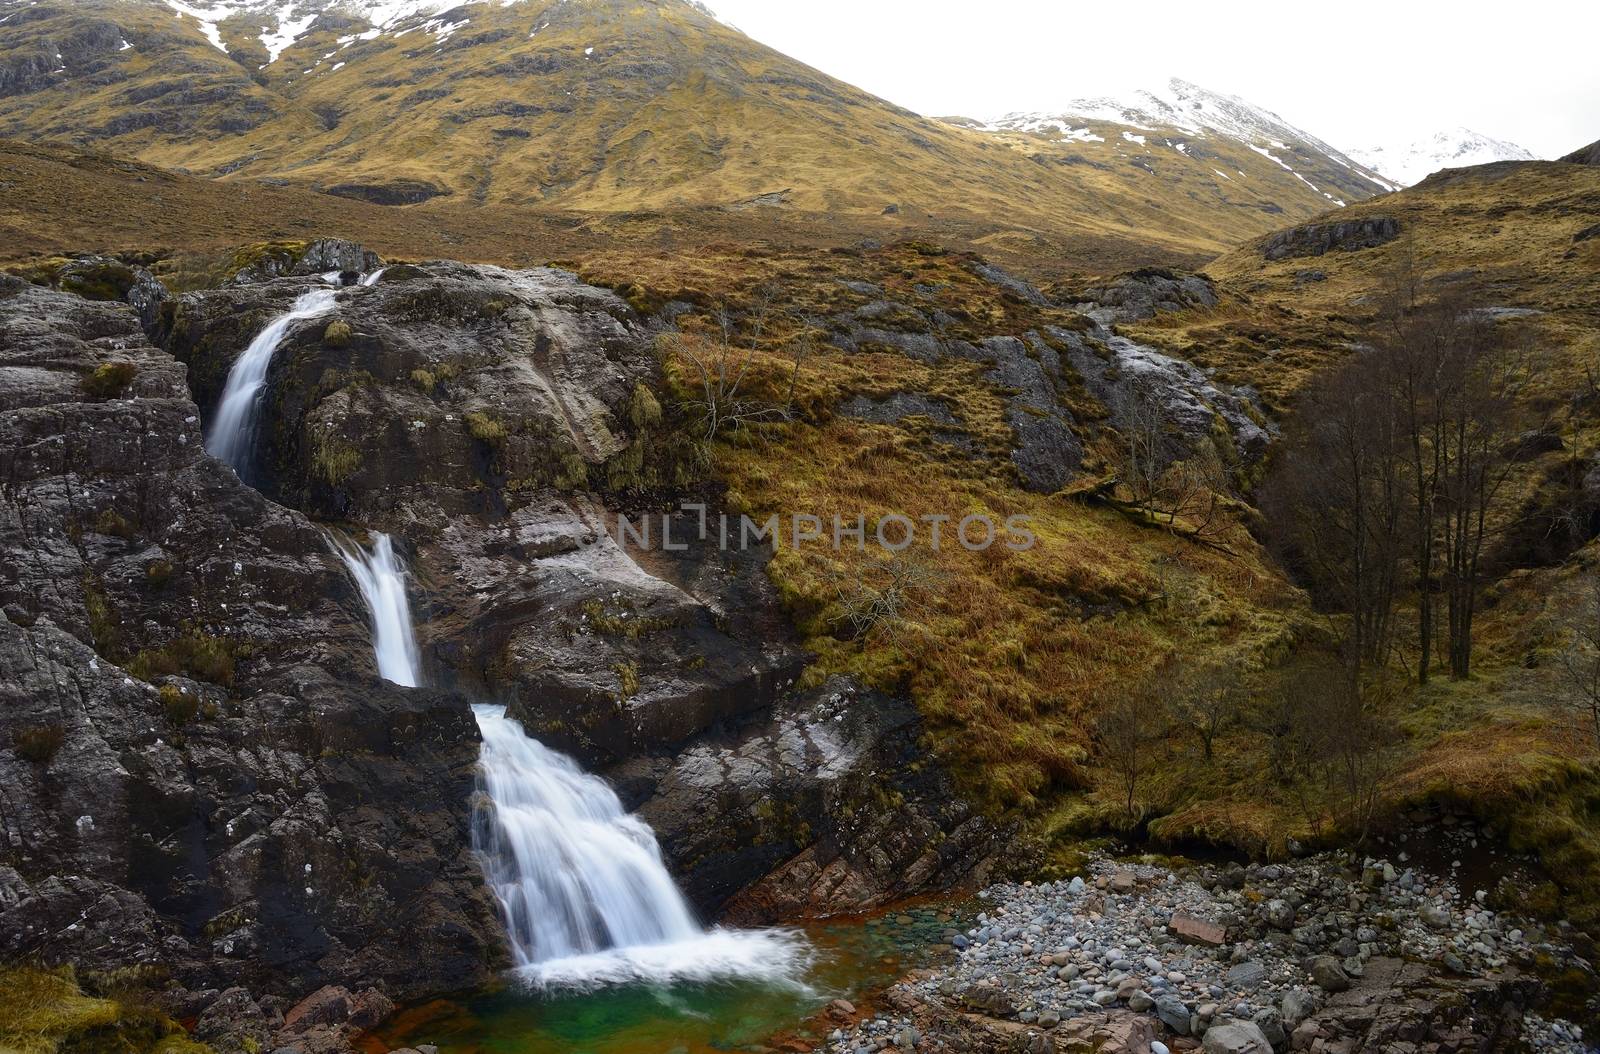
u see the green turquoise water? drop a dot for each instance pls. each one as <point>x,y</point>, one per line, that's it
<point>855,958</point>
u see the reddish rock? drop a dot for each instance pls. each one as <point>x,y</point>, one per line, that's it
<point>330,1005</point>
<point>1192,930</point>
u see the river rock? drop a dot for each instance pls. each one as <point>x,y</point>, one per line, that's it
<point>1235,1037</point>
<point>1328,974</point>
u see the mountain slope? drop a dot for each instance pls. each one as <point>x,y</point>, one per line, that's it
<point>1239,154</point>
<point>582,104</point>
<point>1410,163</point>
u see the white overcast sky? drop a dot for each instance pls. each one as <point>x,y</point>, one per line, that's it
<point>1357,74</point>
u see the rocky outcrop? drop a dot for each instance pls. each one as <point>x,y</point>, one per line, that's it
<point>1317,239</point>
<point>1589,155</point>
<point>443,384</point>
<point>1146,293</point>
<point>1140,386</point>
<point>826,798</point>
<point>200,767</point>
<point>392,192</point>
<point>323,256</point>
<point>1046,373</point>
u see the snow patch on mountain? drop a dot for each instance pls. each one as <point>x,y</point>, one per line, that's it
<point>1411,163</point>
<point>283,23</point>
<point>1183,107</point>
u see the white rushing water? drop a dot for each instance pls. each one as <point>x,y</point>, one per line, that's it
<point>585,895</point>
<point>381,577</point>
<point>231,436</point>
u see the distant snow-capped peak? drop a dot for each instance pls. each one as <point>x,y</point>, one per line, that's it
<point>1410,163</point>
<point>1183,107</point>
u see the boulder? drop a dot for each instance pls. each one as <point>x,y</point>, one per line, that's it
<point>1235,1037</point>
<point>1279,914</point>
<point>1328,974</point>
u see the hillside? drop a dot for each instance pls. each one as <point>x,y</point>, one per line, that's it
<point>1245,164</point>
<point>593,105</point>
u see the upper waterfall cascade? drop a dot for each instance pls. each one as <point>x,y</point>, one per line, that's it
<point>231,436</point>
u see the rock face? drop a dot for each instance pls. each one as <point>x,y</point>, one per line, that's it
<point>200,766</point>
<point>496,422</point>
<point>783,784</point>
<point>1316,239</point>
<point>1143,389</point>
<point>1046,371</point>
<point>1146,293</point>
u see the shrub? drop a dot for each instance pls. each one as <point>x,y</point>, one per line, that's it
<point>333,461</point>
<point>40,743</point>
<point>114,525</point>
<point>628,679</point>
<point>338,334</point>
<point>195,653</point>
<point>178,706</point>
<point>110,379</point>
<point>485,428</point>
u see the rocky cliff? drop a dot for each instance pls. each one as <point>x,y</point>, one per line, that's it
<point>202,772</point>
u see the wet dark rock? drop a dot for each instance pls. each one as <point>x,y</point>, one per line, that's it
<point>318,258</point>
<point>297,822</point>
<point>1316,239</point>
<point>796,794</point>
<point>1132,379</point>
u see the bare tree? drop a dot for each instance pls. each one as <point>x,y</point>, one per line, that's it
<point>1334,747</point>
<point>720,366</point>
<point>1580,660</point>
<point>1184,489</point>
<point>887,598</point>
<point>1141,456</point>
<point>1337,500</point>
<point>1486,375</point>
<point>1207,701</point>
<point>1453,374</point>
<point>1124,732</point>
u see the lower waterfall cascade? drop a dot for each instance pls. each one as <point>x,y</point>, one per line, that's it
<point>585,895</point>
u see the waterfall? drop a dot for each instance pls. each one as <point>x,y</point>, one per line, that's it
<point>372,279</point>
<point>231,437</point>
<point>381,577</point>
<point>585,895</point>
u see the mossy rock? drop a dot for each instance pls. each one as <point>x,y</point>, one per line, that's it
<point>110,379</point>
<point>338,334</point>
<point>98,280</point>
